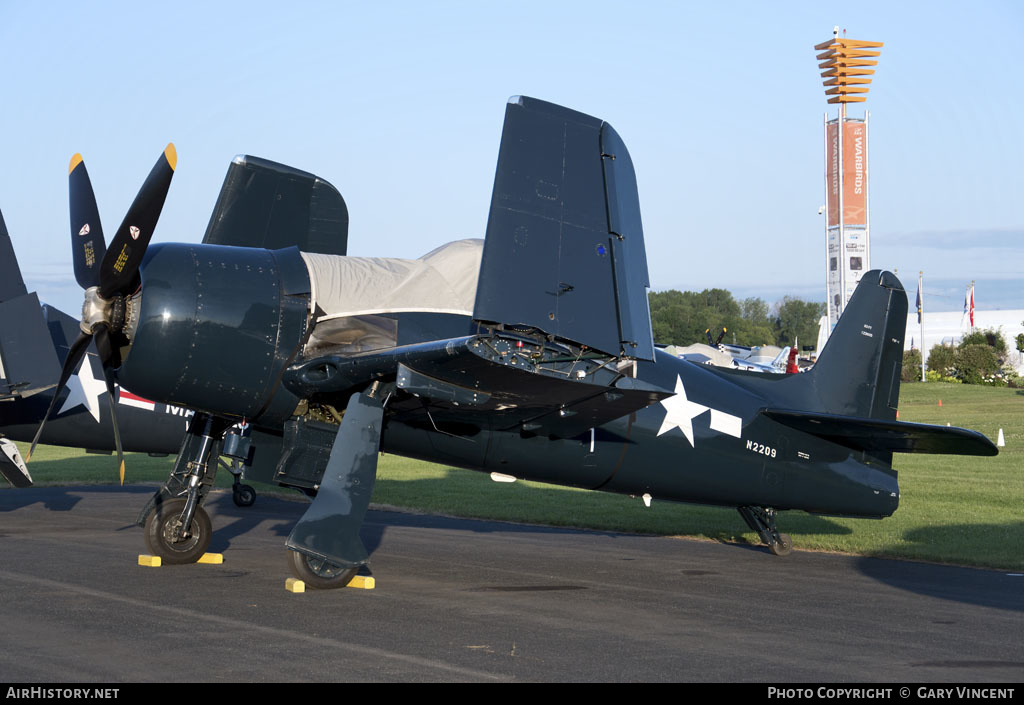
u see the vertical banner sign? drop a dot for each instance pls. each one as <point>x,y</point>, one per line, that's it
<point>846,175</point>
<point>832,173</point>
<point>855,183</point>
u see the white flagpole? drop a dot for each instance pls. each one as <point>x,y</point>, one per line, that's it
<point>920,316</point>
<point>963,316</point>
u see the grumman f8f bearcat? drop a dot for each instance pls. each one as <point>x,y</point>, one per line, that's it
<point>529,354</point>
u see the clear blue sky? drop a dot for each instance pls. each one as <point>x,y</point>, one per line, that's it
<point>400,104</point>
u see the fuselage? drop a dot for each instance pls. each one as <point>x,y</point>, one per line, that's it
<point>707,444</point>
<point>145,426</point>
<point>219,327</point>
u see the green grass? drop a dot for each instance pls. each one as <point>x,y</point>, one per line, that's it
<point>953,509</point>
<point>57,466</point>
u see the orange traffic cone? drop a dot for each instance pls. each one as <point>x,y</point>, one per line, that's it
<point>940,402</point>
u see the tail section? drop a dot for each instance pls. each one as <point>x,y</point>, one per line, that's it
<point>850,396</point>
<point>11,283</point>
<point>858,372</point>
<point>28,361</point>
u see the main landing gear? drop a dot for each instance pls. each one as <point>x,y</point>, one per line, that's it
<point>170,534</point>
<point>177,528</point>
<point>762,520</point>
<point>320,573</point>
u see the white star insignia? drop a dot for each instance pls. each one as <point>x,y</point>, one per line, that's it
<point>680,412</point>
<point>84,390</point>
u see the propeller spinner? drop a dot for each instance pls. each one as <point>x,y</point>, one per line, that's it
<point>108,275</point>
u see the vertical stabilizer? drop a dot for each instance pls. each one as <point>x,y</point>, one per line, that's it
<point>858,372</point>
<point>11,283</point>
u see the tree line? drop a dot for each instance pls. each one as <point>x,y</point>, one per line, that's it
<point>681,317</point>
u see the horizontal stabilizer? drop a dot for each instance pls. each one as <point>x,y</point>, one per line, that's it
<point>875,435</point>
<point>564,249</point>
<point>273,206</point>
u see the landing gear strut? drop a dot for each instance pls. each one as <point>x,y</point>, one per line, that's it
<point>177,528</point>
<point>762,520</point>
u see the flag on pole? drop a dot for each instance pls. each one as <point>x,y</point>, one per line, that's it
<point>971,297</point>
<point>964,314</point>
<point>919,300</point>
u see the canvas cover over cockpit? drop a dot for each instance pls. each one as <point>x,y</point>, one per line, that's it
<point>351,296</point>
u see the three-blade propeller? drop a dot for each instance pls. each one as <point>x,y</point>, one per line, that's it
<point>108,275</point>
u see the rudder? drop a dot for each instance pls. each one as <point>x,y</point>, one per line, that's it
<point>858,372</point>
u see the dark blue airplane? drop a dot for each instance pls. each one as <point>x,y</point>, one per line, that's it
<point>530,356</point>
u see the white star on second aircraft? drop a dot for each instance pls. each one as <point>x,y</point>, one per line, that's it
<point>680,413</point>
<point>85,390</point>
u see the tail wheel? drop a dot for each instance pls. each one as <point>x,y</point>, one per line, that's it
<point>782,547</point>
<point>243,495</point>
<point>163,533</point>
<point>318,572</point>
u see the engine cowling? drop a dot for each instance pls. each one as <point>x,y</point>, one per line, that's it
<point>214,327</point>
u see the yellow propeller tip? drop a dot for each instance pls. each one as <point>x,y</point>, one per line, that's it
<point>172,155</point>
<point>75,161</point>
<point>122,473</point>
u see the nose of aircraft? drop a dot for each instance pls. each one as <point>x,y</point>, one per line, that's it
<point>108,275</point>
<point>235,315</point>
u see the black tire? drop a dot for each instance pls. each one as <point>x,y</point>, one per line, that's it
<point>243,495</point>
<point>782,547</point>
<point>161,533</point>
<point>319,573</point>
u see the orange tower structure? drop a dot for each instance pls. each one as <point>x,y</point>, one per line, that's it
<point>847,72</point>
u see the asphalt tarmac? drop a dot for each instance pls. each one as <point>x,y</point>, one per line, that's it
<point>464,600</point>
